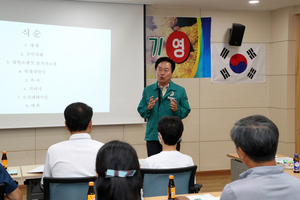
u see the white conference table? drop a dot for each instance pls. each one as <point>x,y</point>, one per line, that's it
<point>27,168</point>
<point>183,196</point>
<point>17,177</point>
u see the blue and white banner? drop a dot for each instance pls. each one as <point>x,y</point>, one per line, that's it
<point>238,64</point>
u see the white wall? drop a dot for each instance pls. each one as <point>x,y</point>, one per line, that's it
<point>282,77</point>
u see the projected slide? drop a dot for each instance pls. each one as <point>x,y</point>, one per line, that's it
<point>44,68</point>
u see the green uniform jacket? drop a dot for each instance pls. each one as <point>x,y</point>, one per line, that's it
<point>153,116</point>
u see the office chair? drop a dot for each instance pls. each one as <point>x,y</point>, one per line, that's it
<point>2,188</point>
<point>66,188</point>
<point>155,181</point>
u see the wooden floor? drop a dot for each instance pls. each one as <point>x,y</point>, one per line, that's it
<point>212,182</point>
<point>23,190</point>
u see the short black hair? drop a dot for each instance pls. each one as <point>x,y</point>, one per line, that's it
<point>170,128</point>
<point>257,136</point>
<point>78,116</point>
<point>162,59</point>
<point>118,155</point>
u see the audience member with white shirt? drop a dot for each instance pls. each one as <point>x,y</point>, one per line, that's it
<point>75,157</point>
<point>170,129</point>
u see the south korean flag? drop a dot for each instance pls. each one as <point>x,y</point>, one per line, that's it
<point>238,64</point>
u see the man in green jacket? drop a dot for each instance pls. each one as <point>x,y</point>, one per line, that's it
<point>163,98</point>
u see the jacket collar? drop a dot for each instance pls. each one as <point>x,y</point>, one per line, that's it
<point>171,86</point>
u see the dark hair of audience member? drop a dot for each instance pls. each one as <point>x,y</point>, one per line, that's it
<point>257,136</point>
<point>117,155</point>
<point>77,116</point>
<point>170,128</point>
<point>162,59</point>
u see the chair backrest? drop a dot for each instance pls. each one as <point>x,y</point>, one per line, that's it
<point>155,181</point>
<point>66,188</point>
<point>2,188</point>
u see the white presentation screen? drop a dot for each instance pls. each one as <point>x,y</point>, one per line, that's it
<point>54,53</point>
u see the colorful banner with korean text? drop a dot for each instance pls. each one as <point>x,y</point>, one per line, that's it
<point>184,40</point>
<point>238,64</point>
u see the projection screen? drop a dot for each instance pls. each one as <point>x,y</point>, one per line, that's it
<point>54,53</point>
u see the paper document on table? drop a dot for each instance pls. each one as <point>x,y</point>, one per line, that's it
<point>39,169</point>
<point>202,197</point>
<point>12,171</point>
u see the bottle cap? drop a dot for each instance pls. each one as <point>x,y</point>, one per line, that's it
<point>91,183</point>
<point>3,151</point>
<point>171,177</point>
<point>296,155</point>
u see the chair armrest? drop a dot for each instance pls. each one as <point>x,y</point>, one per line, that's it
<point>196,188</point>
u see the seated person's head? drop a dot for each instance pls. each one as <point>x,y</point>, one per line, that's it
<point>170,130</point>
<point>118,171</point>
<point>257,137</point>
<point>78,116</point>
